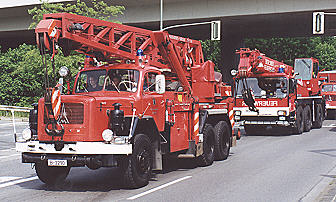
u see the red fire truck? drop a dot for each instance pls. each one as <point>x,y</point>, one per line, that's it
<point>140,95</point>
<point>328,90</point>
<point>272,95</point>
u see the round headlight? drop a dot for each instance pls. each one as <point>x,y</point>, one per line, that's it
<point>26,134</point>
<point>63,71</point>
<point>107,135</point>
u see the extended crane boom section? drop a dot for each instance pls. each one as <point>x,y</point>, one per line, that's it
<point>253,63</point>
<point>114,42</point>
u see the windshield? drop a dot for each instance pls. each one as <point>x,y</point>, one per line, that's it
<point>329,88</point>
<point>122,80</point>
<point>269,87</point>
<point>303,68</point>
<point>90,81</point>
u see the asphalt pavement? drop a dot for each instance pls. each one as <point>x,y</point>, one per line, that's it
<point>260,168</point>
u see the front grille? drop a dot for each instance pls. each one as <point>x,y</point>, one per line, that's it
<point>332,97</point>
<point>71,113</point>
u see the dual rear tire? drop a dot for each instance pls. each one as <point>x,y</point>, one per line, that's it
<point>222,140</point>
<point>216,143</point>
<point>208,155</point>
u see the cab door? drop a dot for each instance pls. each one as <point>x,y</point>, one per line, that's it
<point>153,103</point>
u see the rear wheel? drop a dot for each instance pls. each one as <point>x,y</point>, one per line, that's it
<point>51,175</point>
<point>298,128</point>
<point>222,140</point>
<point>307,117</point>
<point>318,116</point>
<point>138,166</point>
<point>207,157</point>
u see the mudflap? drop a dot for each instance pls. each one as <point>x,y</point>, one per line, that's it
<point>236,131</point>
<point>199,149</point>
<point>233,141</point>
<point>157,164</point>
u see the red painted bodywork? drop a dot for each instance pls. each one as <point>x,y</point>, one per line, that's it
<point>328,78</point>
<point>179,59</point>
<point>254,64</point>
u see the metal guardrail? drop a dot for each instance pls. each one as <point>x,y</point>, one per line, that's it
<point>14,108</point>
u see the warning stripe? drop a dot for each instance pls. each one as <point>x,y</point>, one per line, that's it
<point>231,117</point>
<point>196,124</point>
<point>56,102</point>
<point>227,93</point>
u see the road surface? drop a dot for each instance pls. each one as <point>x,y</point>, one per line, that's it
<point>260,168</point>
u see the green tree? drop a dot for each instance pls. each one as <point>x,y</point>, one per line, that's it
<point>21,69</point>
<point>287,49</point>
<point>211,51</point>
<point>96,9</point>
<point>22,74</point>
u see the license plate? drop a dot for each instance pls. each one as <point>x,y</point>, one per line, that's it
<point>56,162</point>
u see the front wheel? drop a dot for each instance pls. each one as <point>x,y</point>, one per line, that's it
<point>207,157</point>
<point>51,175</point>
<point>138,166</point>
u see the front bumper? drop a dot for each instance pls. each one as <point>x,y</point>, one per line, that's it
<point>75,148</point>
<point>92,161</point>
<point>266,120</point>
<point>330,107</point>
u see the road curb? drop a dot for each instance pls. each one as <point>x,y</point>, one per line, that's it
<point>318,189</point>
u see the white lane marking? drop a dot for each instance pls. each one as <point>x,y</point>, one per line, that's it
<point>8,178</point>
<point>4,157</point>
<point>5,150</point>
<point>18,181</point>
<point>158,188</point>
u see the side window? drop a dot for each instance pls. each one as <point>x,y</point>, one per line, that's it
<point>82,84</point>
<point>149,82</point>
<point>90,81</point>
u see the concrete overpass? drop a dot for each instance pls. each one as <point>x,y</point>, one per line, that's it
<point>240,19</point>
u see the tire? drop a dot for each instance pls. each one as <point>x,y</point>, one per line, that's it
<point>318,117</point>
<point>298,128</point>
<point>207,157</point>
<point>51,175</point>
<point>307,117</point>
<point>138,166</point>
<point>222,140</point>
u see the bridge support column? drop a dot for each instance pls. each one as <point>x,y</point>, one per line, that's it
<point>229,58</point>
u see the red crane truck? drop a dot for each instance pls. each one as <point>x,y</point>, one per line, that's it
<point>328,90</point>
<point>271,95</point>
<point>153,95</point>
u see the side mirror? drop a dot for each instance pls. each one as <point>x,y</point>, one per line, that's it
<point>234,72</point>
<point>160,84</point>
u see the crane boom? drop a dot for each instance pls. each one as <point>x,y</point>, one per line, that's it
<point>111,42</point>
